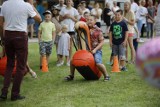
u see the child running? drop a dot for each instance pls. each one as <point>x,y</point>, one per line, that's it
<point>118,38</point>
<point>63,46</point>
<point>46,36</point>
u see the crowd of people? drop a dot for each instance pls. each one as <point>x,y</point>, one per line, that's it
<point>56,26</point>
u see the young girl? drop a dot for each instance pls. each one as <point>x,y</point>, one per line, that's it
<point>63,46</point>
<point>55,20</point>
<point>129,18</point>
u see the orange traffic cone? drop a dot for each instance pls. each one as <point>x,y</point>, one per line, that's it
<point>115,67</point>
<point>44,64</point>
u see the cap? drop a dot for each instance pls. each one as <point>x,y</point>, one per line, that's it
<point>55,7</point>
<point>47,12</point>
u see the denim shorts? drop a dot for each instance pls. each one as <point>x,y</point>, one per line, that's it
<point>30,21</point>
<point>119,50</point>
<point>45,47</point>
<point>98,57</point>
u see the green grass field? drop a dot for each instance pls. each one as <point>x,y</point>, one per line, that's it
<point>125,89</point>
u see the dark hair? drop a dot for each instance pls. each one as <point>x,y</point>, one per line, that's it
<point>85,13</point>
<point>120,11</point>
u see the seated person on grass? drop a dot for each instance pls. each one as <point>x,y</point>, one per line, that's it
<point>97,43</point>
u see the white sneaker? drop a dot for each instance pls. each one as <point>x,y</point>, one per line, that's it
<point>141,41</point>
<point>60,64</point>
<point>68,63</point>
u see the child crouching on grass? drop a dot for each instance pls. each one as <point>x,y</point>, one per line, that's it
<point>118,38</point>
<point>63,46</point>
<point>46,35</point>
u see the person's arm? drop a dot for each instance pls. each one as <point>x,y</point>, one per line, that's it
<point>131,22</point>
<point>37,17</point>
<point>101,40</point>
<point>53,35</point>
<point>39,35</point>
<point>110,39</point>
<point>1,26</point>
<point>74,18</point>
<point>151,18</point>
<point>98,15</point>
<point>126,37</point>
<point>109,13</point>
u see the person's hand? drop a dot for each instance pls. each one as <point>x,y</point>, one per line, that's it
<point>124,43</point>
<point>67,15</point>
<point>94,51</point>
<point>138,39</point>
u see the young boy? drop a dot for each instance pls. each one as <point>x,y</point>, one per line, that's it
<point>46,35</point>
<point>97,41</point>
<point>118,38</point>
<point>85,16</point>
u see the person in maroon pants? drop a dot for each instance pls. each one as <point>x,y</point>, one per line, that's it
<point>13,15</point>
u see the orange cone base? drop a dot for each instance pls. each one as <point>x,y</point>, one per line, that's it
<point>44,65</point>
<point>115,67</point>
<point>115,71</point>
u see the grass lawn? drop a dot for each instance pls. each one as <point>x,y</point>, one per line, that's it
<point>125,89</point>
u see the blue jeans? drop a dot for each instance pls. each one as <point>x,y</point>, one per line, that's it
<point>36,26</point>
<point>149,30</point>
<point>139,25</point>
<point>98,57</point>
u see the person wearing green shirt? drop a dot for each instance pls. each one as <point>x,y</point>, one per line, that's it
<point>46,36</point>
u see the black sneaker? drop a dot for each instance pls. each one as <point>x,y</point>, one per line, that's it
<point>3,97</point>
<point>107,78</point>
<point>69,78</point>
<point>17,98</point>
<point>124,69</point>
<point>40,67</point>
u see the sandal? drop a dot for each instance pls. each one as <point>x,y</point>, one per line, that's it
<point>69,78</point>
<point>107,78</point>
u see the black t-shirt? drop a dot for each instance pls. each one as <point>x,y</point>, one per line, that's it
<point>118,30</point>
<point>106,17</point>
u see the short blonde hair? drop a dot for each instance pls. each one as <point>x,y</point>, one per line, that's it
<point>65,27</point>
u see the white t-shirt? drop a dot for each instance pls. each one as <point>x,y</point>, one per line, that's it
<point>58,5</point>
<point>16,13</point>
<point>134,7</point>
<point>94,12</point>
<point>142,11</point>
<point>69,22</point>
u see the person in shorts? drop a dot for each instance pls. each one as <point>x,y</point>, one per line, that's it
<point>46,35</point>
<point>118,38</point>
<point>97,41</point>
